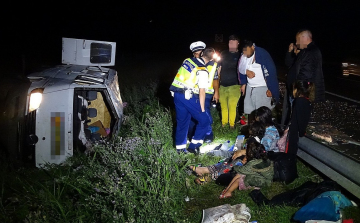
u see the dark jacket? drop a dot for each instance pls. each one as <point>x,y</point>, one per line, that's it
<point>290,59</point>
<point>308,67</point>
<point>258,172</point>
<point>263,58</point>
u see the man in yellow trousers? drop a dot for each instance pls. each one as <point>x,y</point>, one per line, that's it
<point>229,92</point>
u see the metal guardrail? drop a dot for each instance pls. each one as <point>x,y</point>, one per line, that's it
<point>337,166</point>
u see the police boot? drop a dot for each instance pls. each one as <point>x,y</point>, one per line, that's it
<point>209,138</point>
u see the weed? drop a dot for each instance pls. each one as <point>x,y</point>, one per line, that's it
<point>136,177</point>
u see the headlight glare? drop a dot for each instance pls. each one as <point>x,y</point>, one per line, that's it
<point>35,101</point>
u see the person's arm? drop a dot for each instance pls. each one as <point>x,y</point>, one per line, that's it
<point>271,76</point>
<point>239,153</point>
<point>219,72</point>
<point>203,82</point>
<point>289,59</point>
<point>202,99</point>
<point>243,89</point>
<point>216,90</point>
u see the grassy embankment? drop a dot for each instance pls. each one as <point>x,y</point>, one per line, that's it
<point>138,177</point>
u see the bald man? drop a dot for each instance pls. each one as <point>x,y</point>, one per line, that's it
<point>308,64</point>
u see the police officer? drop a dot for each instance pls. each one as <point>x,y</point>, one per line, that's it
<point>188,89</point>
<point>212,92</point>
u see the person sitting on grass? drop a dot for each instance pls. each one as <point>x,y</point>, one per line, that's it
<point>256,129</point>
<point>257,172</point>
<point>272,131</point>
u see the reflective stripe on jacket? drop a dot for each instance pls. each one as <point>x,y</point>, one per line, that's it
<point>212,69</point>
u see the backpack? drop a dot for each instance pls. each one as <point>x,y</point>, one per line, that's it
<point>285,169</point>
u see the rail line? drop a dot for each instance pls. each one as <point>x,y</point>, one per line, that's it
<point>332,163</point>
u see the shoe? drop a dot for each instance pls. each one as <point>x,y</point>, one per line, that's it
<point>222,195</point>
<point>195,150</point>
<point>232,127</point>
<point>242,122</point>
<point>209,138</point>
<point>182,151</point>
<point>202,180</point>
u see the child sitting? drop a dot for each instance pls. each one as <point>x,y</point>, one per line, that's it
<point>272,131</point>
<point>257,172</point>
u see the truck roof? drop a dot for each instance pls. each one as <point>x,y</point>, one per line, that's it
<point>70,76</point>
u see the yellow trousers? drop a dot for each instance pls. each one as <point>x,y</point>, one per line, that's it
<point>229,97</point>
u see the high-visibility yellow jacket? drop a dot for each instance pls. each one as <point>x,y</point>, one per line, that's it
<point>186,75</point>
<point>212,68</point>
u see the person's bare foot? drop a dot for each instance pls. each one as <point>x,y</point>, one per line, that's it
<point>225,194</point>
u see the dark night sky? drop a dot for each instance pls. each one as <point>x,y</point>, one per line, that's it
<point>36,31</point>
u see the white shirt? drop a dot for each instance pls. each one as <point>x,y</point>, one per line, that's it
<point>202,77</point>
<point>242,64</point>
<point>258,80</point>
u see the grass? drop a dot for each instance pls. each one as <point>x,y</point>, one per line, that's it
<point>137,177</point>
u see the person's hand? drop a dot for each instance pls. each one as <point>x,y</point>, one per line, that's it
<point>285,131</point>
<point>268,93</point>
<point>244,161</point>
<point>216,97</point>
<point>238,153</point>
<point>296,50</point>
<point>242,89</point>
<point>291,47</point>
<point>250,74</point>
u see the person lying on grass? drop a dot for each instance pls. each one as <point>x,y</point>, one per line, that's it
<point>256,129</point>
<point>257,172</point>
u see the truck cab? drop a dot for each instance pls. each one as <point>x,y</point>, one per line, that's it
<point>71,106</point>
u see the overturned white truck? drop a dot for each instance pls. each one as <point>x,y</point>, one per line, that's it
<point>71,106</point>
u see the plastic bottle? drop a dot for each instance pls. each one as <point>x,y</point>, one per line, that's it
<point>239,142</point>
<point>225,146</point>
<point>218,147</point>
<point>231,148</point>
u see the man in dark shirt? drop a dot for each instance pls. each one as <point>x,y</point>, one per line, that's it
<point>229,92</point>
<point>290,58</point>
<point>306,66</point>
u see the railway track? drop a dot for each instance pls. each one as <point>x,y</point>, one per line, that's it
<point>339,165</point>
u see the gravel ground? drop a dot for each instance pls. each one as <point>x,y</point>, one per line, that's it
<point>338,118</point>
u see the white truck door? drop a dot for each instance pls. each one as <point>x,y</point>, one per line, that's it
<point>54,127</point>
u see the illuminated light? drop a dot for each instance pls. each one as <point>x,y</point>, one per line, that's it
<point>345,64</point>
<point>207,148</point>
<point>215,56</point>
<point>35,101</point>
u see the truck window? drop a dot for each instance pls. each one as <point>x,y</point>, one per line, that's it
<point>93,117</point>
